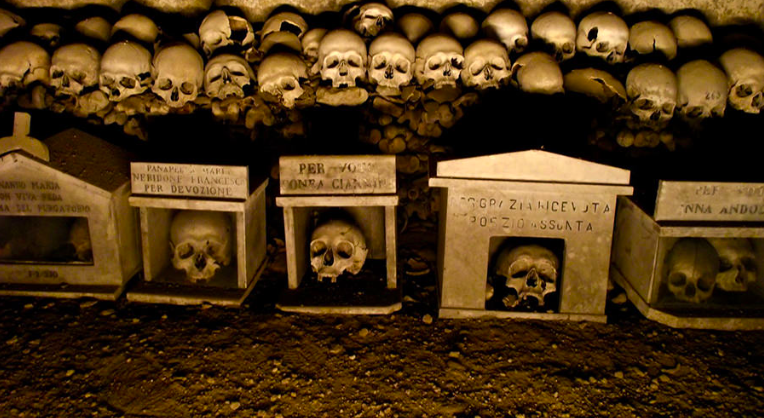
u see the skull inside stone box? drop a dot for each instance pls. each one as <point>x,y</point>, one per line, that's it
<point>337,247</point>
<point>45,239</point>
<point>202,245</point>
<point>525,275</point>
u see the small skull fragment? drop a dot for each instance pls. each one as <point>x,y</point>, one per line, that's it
<point>649,37</point>
<point>219,30</point>
<point>690,32</point>
<point>537,72</point>
<point>737,264</point>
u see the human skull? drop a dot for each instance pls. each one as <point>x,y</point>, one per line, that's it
<point>227,75</point>
<point>508,27</point>
<point>558,32</point>
<point>79,238</point>
<point>48,34</point>
<point>138,26</point>
<point>537,72</point>
<point>125,70</point>
<point>690,32</point>
<point>531,271</point>
<point>604,35</point>
<point>460,24</point>
<point>702,90</point>
<point>372,19</point>
<point>691,268</point>
<point>23,63</point>
<point>652,92</point>
<point>201,242</point>
<point>74,67</point>
<point>649,37</point>
<point>286,29</point>
<point>415,26</point>
<point>595,83</point>
<point>281,76</point>
<point>745,78</point>
<point>310,43</point>
<point>9,21</point>
<point>94,27</point>
<point>486,65</point>
<point>220,30</point>
<point>178,74</point>
<point>391,61</point>
<point>737,263</point>
<point>337,246</point>
<point>341,58</point>
<point>439,61</point>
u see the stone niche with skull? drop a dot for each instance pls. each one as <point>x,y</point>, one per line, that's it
<point>525,275</point>
<point>201,243</point>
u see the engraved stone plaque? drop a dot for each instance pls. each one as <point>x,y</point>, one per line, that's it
<point>337,175</point>
<point>190,180</point>
<point>708,201</point>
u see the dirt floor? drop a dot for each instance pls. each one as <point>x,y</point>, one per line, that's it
<point>81,358</point>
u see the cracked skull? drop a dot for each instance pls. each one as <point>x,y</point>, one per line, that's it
<point>486,65</point>
<point>391,61</point>
<point>531,271</point>
<point>23,63</point>
<point>201,243</point>
<point>9,21</point>
<point>310,43</point>
<point>74,67</point>
<point>341,58</point>
<point>737,263</point>
<point>439,61</point>
<point>281,76</point>
<point>227,75</point>
<point>604,35</point>
<point>508,27</point>
<point>692,265</point>
<point>558,32</point>
<point>220,30</point>
<point>538,72</point>
<point>125,70</point>
<point>690,32</point>
<point>286,29</point>
<point>745,79</point>
<point>649,37</point>
<point>372,19</point>
<point>179,74</point>
<point>652,91</point>
<point>337,246</point>
<point>702,90</point>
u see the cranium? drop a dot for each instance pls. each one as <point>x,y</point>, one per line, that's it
<point>745,78</point>
<point>9,21</point>
<point>178,74</point>
<point>460,25</point>
<point>201,242</point>
<point>48,34</point>
<point>649,37</point>
<point>391,61</point>
<point>23,63</point>
<point>508,27</point>
<point>79,238</point>
<point>595,83</point>
<point>690,32</point>
<point>652,91</point>
<point>337,246</point>
<point>371,19</point>
<point>737,263</point>
<point>219,30</point>
<point>94,27</point>
<point>604,35</point>
<point>702,90</point>
<point>74,67</point>
<point>558,32</point>
<point>125,70</point>
<point>281,76</point>
<point>310,43</point>
<point>537,72</point>
<point>691,268</point>
<point>227,75</point>
<point>486,65</point>
<point>341,58</point>
<point>531,271</point>
<point>138,26</point>
<point>415,26</point>
<point>439,61</point>
<point>286,29</point>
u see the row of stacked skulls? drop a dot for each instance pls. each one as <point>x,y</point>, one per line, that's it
<point>415,71</point>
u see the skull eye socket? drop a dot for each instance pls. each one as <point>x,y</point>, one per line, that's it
<point>214,40</point>
<point>164,84</point>
<point>185,251</point>
<point>402,66</point>
<point>128,83</point>
<point>644,104</point>
<point>743,91</point>
<point>705,283</point>
<point>476,68</point>
<point>354,61</point>
<point>187,88</point>
<point>57,74</point>
<point>519,269</point>
<point>724,265</point>
<point>344,249</point>
<point>318,248</point>
<point>748,263</point>
<point>602,46</point>
<point>457,63</point>
<point>434,63</point>
<point>379,62</point>
<point>695,112</point>
<point>677,279</point>
<point>288,84</point>
<point>567,48</point>
<point>332,62</point>
<point>77,76</point>
<point>668,108</point>
<point>107,80</point>
<point>213,248</point>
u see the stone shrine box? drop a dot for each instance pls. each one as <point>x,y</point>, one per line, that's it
<point>698,262</point>
<point>526,235</point>
<point>66,228</point>
<point>340,230</point>
<point>203,232</point>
